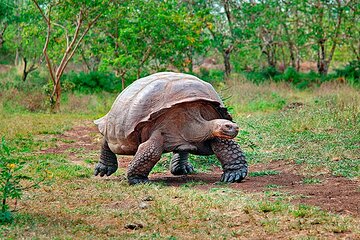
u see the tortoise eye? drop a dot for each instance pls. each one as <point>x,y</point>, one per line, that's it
<point>228,126</point>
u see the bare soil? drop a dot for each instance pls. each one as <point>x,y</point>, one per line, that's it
<point>335,194</point>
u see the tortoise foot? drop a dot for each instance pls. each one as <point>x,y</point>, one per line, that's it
<point>182,169</point>
<point>231,176</point>
<point>138,180</point>
<point>103,169</point>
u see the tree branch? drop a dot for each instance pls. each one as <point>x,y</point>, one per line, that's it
<point>79,41</point>
<point>48,23</point>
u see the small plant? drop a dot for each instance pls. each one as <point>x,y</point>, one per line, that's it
<point>263,173</point>
<point>271,186</point>
<point>311,181</point>
<point>10,181</point>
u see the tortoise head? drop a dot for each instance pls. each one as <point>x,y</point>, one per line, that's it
<point>223,128</point>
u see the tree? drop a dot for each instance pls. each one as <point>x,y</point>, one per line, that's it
<point>72,24</point>
<point>152,35</point>
<point>7,10</point>
<point>352,27</point>
<point>325,26</point>
<point>222,30</point>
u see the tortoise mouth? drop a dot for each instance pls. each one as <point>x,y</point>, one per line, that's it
<point>227,134</point>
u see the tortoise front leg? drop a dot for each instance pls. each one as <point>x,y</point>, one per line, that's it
<point>179,164</point>
<point>108,163</point>
<point>147,155</point>
<point>232,159</point>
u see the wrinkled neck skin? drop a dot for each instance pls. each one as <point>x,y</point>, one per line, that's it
<point>181,125</point>
<point>199,130</point>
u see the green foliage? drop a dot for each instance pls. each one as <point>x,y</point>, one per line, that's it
<point>92,82</point>
<point>212,75</point>
<point>351,72</point>
<point>301,80</point>
<point>262,75</point>
<point>10,177</point>
<point>311,181</point>
<point>263,173</point>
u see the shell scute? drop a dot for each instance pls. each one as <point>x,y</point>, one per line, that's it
<point>151,96</point>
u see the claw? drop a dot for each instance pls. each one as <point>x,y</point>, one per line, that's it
<point>237,178</point>
<point>103,169</point>
<point>183,169</point>
<point>137,180</point>
<point>234,175</point>
<point>231,178</point>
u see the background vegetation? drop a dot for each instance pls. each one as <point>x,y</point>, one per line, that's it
<point>288,71</point>
<point>107,44</point>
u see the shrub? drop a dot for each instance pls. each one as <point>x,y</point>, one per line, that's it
<point>212,75</point>
<point>10,180</point>
<point>351,72</point>
<point>93,82</point>
<point>262,75</point>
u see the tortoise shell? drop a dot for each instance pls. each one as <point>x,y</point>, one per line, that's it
<point>151,96</point>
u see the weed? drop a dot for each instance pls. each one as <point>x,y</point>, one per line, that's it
<point>311,181</point>
<point>192,184</point>
<point>10,180</point>
<point>263,173</point>
<point>268,206</point>
<point>302,211</point>
<point>270,186</point>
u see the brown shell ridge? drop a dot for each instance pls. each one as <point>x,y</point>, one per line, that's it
<point>101,124</point>
<point>149,97</point>
<point>221,110</point>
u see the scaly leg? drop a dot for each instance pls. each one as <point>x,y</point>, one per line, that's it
<point>179,164</point>
<point>232,159</point>
<point>147,155</point>
<point>108,163</point>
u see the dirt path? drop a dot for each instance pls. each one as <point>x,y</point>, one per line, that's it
<point>335,194</point>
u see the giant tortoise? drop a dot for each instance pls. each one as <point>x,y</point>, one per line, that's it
<point>169,112</point>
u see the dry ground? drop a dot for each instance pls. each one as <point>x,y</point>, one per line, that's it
<point>334,194</point>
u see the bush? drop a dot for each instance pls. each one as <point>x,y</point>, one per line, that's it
<point>11,179</point>
<point>351,72</point>
<point>290,75</point>
<point>93,82</point>
<point>262,75</point>
<point>212,75</point>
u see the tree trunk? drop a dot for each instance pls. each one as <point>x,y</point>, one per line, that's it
<point>291,46</point>
<point>122,82</point>
<point>16,60</point>
<point>55,97</point>
<point>27,70</point>
<point>2,35</point>
<point>322,64</point>
<point>227,64</point>
<point>25,73</point>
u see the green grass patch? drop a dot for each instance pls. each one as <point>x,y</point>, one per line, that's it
<point>263,173</point>
<point>311,181</point>
<point>322,135</point>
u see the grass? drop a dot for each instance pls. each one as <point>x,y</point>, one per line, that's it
<point>322,135</point>
<point>319,137</point>
<point>312,181</point>
<point>263,173</point>
<point>92,207</point>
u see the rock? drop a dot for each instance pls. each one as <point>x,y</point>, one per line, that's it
<point>134,226</point>
<point>143,205</point>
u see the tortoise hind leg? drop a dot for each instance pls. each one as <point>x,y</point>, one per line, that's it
<point>147,155</point>
<point>232,159</point>
<point>108,163</point>
<point>179,164</point>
